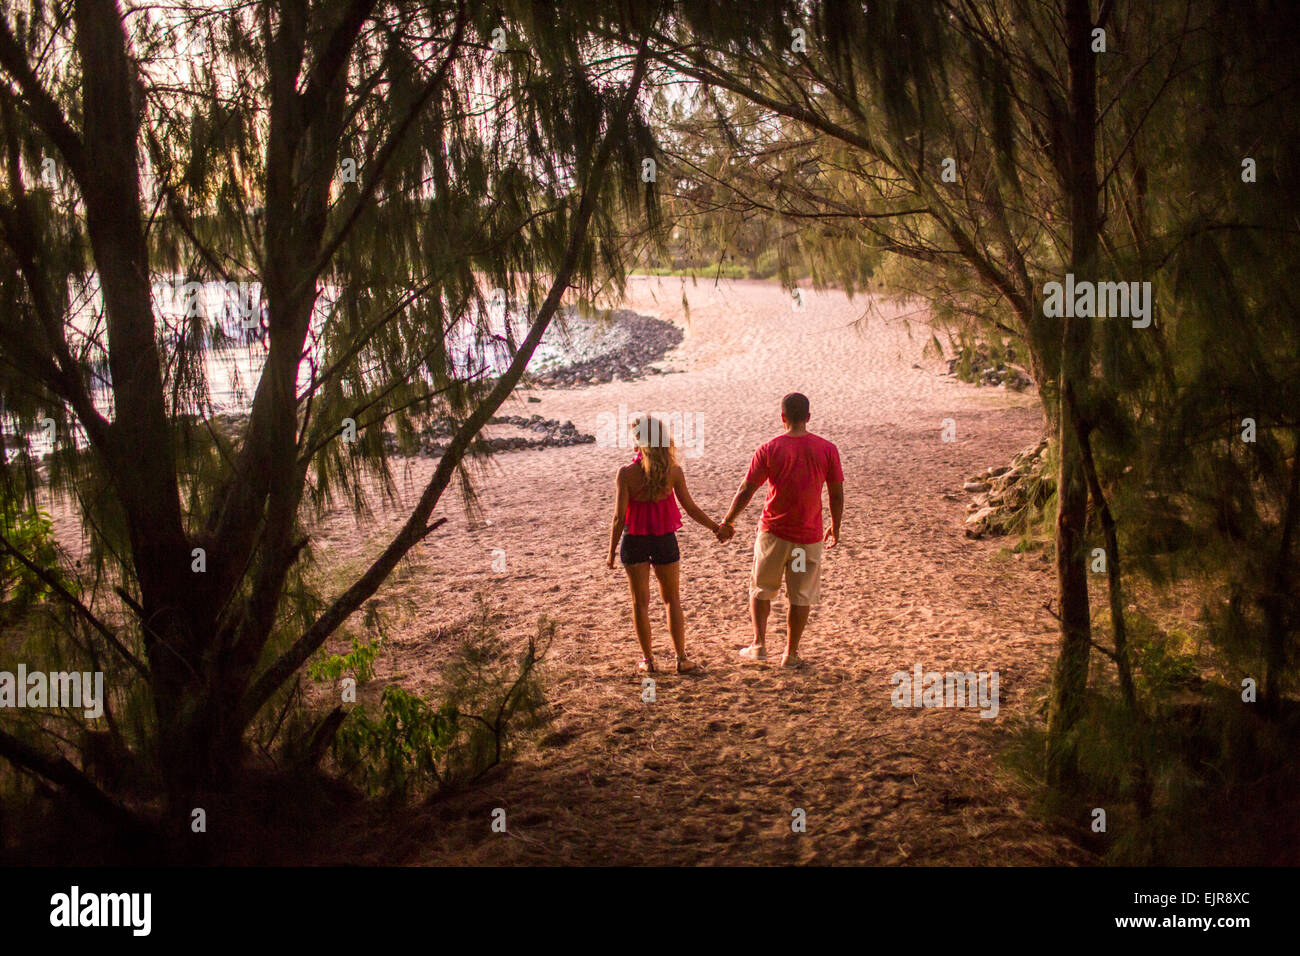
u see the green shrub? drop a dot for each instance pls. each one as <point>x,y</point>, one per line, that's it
<point>487,699</point>
<point>31,533</point>
<point>360,662</point>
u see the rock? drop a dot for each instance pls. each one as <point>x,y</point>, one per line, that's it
<point>977,524</point>
<point>979,368</point>
<point>1018,377</point>
<point>1004,495</point>
<point>542,433</point>
<point>619,347</point>
<point>998,486</point>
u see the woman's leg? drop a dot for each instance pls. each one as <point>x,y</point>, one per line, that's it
<point>669,576</point>
<point>638,579</point>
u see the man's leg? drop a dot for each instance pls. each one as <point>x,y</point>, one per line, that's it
<point>769,562</point>
<point>803,585</point>
<point>759,609</point>
<point>796,622</point>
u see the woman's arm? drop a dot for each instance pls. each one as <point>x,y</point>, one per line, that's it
<point>684,496</point>
<point>620,513</point>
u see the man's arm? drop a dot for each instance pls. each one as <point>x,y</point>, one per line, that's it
<point>836,491</point>
<point>739,503</point>
<point>755,478</point>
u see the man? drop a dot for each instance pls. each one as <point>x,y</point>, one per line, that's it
<point>789,540</point>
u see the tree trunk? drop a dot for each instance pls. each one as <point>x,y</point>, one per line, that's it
<point>1070,679</point>
<point>1277,601</point>
<point>1114,577</point>
<point>1115,589</point>
<point>140,453</point>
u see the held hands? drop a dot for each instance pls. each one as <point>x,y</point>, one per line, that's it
<point>724,533</point>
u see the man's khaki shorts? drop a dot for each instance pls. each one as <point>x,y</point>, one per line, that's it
<point>801,565</point>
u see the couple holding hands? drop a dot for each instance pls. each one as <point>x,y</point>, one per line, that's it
<point>789,544</point>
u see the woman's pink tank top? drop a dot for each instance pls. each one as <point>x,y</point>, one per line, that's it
<point>652,517</point>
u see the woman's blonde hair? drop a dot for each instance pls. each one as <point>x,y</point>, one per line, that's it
<point>658,453</point>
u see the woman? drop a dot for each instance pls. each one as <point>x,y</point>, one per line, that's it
<point>646,507</point>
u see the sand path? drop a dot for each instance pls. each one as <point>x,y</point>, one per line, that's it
<point>712,770</point>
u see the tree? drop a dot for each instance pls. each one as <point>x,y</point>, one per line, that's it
<point>371,166</point>
<point>975,152</point>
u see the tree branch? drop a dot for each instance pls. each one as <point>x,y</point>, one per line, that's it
<point>417,526</point>
<point>59,770</point>
<point>53,583</point>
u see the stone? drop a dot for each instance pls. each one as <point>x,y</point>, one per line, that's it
<point>976,524</point>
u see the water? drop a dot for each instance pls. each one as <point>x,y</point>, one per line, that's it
<point>232,318</point>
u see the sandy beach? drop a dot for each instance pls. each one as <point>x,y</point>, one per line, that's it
<point>713,770</point>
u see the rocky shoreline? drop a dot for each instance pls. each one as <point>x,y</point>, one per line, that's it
<point>539,433</point>
<point>621,347</point>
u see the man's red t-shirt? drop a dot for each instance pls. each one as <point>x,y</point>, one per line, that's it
<point>797,466</point>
